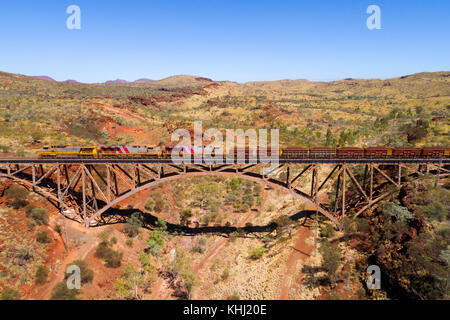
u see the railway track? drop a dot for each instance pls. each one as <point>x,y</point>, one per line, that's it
<point>443,161</point>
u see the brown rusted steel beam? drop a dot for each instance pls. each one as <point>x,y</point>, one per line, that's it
<point>356,183</point>
<point>119,174</point>
<point>327,178</point>
<point>301,173</point>
<point>300,180</point>
<point>18,170</point>
<point>108,183</point>
<point>313,180</point>
<point>66,190</point>
<point>94,184</point>
<point>372,203</point>
<point>343,190</point>
<point>98,173</point>
<point>386,176</point>
<point>123,171</point>
<point>371,184</point>
<point>83,187</point>
<point>150,172</point>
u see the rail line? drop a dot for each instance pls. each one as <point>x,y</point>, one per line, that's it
<point>387,161</point>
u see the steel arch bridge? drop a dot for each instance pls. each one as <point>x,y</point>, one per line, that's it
<point>85,189</point>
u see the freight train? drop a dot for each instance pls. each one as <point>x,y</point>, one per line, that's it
<point>288,153</point>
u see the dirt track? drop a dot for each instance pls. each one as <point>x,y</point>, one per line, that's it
<point>300,252</point>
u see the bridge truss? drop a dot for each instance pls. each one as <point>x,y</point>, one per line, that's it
<point>84,190</point>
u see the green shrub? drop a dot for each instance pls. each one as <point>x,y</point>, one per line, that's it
<point>17,197</point>
<point>398,212</point>
<point>87,275</point>
<point>113,241</point>
<point>39,215</point>
<point>129,243</point>
<point>133,224</point>
<point>10,294</point>
<point>155,242</point>
<point>4,149</point>
<point>234,296</point>
<point>435,211</point>
<point>149,205</point>
<point>185,217</point>
<point>43,237</point>
<point>61,292</point>
<point>159,206</point>
<point>225,274</point>
<point>256,253</point>
<point>102,249</point>
<point>41,275</point>
<point>114,259</point>
<point>331,258</point>
<point>327,231</point>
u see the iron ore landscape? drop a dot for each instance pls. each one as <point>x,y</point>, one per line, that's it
<point>147,228</point>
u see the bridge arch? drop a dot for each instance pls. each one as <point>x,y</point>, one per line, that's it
<point>202,174</point>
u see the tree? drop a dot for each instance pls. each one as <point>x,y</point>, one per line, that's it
<point>331,259</point>
<point>190,281</point>
<point>330,139</point>
<point>155,242</point>
<point>249,200</point>
<point>122,290</point>
<point>161,225</point>
<point>185,217</point>
<point>133,224</point>
<point>398,212</point>
<point>181,268</point>
<point>149,271</point>
<point>133,279</point>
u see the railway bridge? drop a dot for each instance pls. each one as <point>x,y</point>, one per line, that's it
<point>85,189</point>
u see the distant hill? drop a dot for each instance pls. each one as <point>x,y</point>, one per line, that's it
<point>144,80</point>
<point>117,81</point>
<point>44,78</point>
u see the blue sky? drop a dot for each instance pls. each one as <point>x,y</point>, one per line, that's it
<point>224,40</point>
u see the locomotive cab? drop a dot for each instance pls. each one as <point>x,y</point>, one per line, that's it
<point>88,152</point>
